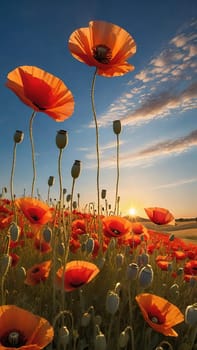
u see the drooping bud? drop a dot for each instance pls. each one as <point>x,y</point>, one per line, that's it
<point>18,136</point>
<point>61,139</point>
<point>191,314</point>
<point>63,335</point>
<point>103,194</point>
<point>112,302</point>
<point>132,271</point>
<point>75,171</point>
<point>117,288</point>
<point>85,320</point>
<point>5,261</point>
<point>14,231</point>
<point>123,339</point>
<point>47,234</point>
<point>100,342</point>
<point>51,180</point>
<point>20,273</point>
<point>119,260</point>
<point>116,127</point>
<point>146,276</point>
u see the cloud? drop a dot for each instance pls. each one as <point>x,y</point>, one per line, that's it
<point>181,182</point>
<point>174,64</point>
<point>152,152</point>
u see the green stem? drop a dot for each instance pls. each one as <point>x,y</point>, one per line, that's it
<point>97,141</point>
<point>118,175</point>
<point>32,151</point>
<point>60,176</point>
<point>12,173</point>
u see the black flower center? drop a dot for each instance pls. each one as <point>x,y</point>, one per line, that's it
<point>35,217</point>
<point>13,339</point>
<point>102,54</point>
<point>40,108</point>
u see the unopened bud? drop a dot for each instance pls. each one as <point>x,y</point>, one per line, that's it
<point>146,276</point>
<point>117,288</point>
<point>191,314</point>
<point>14,231</point>
<point>20,273</point>
<point>112,302</point>
<point>51,180</point>
<point>18,136</point>
<point>5,261</point>
<point>119,260</point>
<point>100,342</point>
<point>103,194</point>
<point>47,234</point>
<point>117,127</point>
<point>63,335</point>
<point>90,245</point>
<point>74,205</point>
<point>132,271</point>
<point>85,320</point>
<point>61,249</point>
<point>61,139</point>
<point>68,197</point>
<point>123,339</point>
<point>75,171</point>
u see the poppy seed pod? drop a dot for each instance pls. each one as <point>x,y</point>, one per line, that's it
<point>47,234</point>
<point>112,302</point>
<point>14,231</point>
<point>64,191</point>
<point>117,127</point>
<point>89,245</point>
<point>75,171</point>
<point>146,276</point>
<point>18,136</point>
<point>68,197</point>
<point>100,342</point>
<point>132,271</point>
<point>61,139</point>
<point>103,194</point>
<point>51,180</point>
<point>191,314</point>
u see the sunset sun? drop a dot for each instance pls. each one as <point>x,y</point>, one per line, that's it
<point>132,211</point>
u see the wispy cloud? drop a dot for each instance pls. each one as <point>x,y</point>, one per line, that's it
<point>156,91</point>
<point>181,182</point>
<point>150,154</point>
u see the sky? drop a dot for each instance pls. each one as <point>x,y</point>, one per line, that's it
<point>156,103</point>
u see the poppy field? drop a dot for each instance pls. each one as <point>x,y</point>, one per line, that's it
<point>76,278</point>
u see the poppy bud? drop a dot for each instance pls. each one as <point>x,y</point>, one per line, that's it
<point>146,276</point>
<point>14,231</point>
<point>74,205</point>
<point>61,139</point>
<point>47,234</point>
<point>100,342</point>
<point>75,171</point>
<point>85,320</point>
<point>90,245</point>
<point>63,335</point>
<point>61,249</point>
<point>117,127</point>
<point>51,180</point>
<point>123,339</point>
<point>103,194</point>
<point>117,288</point>
<point>20,273</point>
<point>18,136</point>
<point>132,271</point>
<point>112,302</point>
<point>191,314</point>
<point>98,320</point>
<point>144,259</point>
<point>64,191</point>
<point>68,197</point>
<point>119,260</point>
<point>5,261</point>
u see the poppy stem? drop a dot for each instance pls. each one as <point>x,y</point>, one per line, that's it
<point>11,179</point>
<point>116,209</point>
<point>32,151</point>
<point>60,175</point>
<point>97,141</point>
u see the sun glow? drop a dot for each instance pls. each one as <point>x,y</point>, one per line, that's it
<point>132,211</point>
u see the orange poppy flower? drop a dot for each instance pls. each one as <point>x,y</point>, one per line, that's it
<point>159,313</point>
<point>38,273</point>
<point>21,329</point>
<point>36,211</point>
<point>159,216</point>
<point>105,46</point>
<point>41,91</point>
<point>76,274</point>
<point>116,226</point>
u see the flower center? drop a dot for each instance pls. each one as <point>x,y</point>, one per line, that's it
<point>116,232</point>
<point>13,339</point>
<point>40,108</point>
<point>102,54</point>
<point>154,319</point>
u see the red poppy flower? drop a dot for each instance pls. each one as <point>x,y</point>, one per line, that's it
<point>20,329</point>
<point>116,226</point>
<point>159,216</point>
<point>37,212</point>
<point>76,274</point>
<point>138,228</point>
<point>159,313</point>
<point>190,267</point>
<point>41,91</point>
<point>38,273</point>
<point>105,46</point>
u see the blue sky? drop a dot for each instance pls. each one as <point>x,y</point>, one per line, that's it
<point>156,102</point>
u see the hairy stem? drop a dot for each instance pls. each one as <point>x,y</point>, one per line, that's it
<point>32,151</point>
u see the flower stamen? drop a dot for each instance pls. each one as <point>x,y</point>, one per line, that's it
<point>102,53</point>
